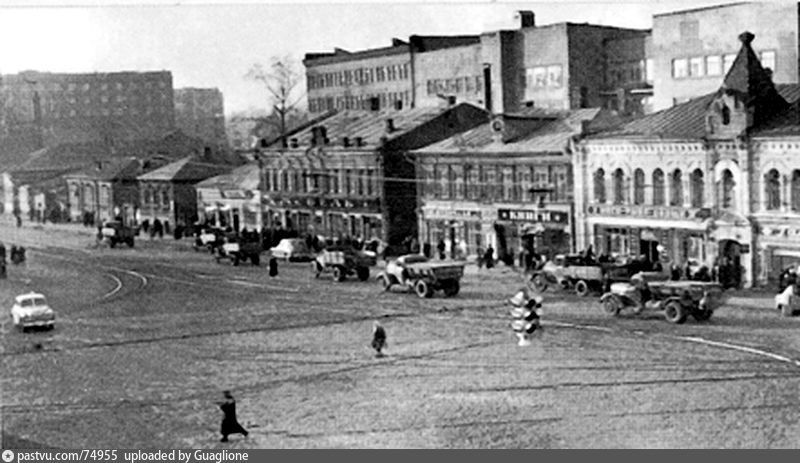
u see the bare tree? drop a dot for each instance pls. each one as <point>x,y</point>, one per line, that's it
<point>281,80</point>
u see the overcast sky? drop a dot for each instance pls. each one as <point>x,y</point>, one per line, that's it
<point>214,43</point>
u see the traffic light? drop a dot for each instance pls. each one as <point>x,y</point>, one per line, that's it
<point>526,318</point>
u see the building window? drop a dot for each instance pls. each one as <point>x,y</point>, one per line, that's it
<point>658,187</point>
<point>451,182</point>
<point>768,59</point>
<point>638,187</point>
<point>676,189</point>
<point>554,76</point>
<point>600,186</point>
<point>772,187</point>
<point>727,62</point>
<point>696,68</point>
<point>649,70</point>
<point>680,68</point>
<point>284,180</point>
<point>727,185</point>
<point>796,190</point>
<point>437,181</point>
<point>713,65</point>
<point>165,199</point>
<point>697,188</point>
<point>619,186</point>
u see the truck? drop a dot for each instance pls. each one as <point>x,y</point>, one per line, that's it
<point>115,232</point>
<point>416,272</point>
<point>237,250</point>
<point>575,272</point>
<point>343,261</point>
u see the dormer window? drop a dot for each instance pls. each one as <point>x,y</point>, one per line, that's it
<point>725,112</point>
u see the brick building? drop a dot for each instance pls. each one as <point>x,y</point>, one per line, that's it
<point>200,113</point>
<point>693,49</point>
<point>715,180</point>
<point>506,183</point>
<point>351,174</point>
<point>52,108</point>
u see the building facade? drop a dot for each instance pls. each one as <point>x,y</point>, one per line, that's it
<point>75,108</point>
<point>232,200</point>
<point>708,182</point>
<point>505,184</point>
<point>168,193</point>
<point>104,192</point>
<point>693,49</point>
<point>200,113</point>
<point>352,174</point>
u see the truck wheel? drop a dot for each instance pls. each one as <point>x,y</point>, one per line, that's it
<point>235,261</point>
<point>674,312</point>
<point>338,274</point>
<point>255,259</point>
<point>112,243</point>
<point>581,288</point>
<point>423,289</point>
<point>363,273</point>
<point>539,283</point>
<point>386,282</point>
<point>702,315</point>
<point>452,289</point>
<point>130,243</point>
<point>611,307</point>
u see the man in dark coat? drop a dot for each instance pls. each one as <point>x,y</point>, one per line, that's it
<point>273,267</point>
<point>378,338</point>
<point>229,423</point>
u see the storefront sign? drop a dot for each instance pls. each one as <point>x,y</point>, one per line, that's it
<point>236,194</point>
<point>655,212</point>
<point>528,215</point>
<point>449,214</point>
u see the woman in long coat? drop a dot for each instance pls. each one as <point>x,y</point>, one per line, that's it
<point>229,423</point>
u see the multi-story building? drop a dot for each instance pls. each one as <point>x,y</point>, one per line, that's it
<point>714,181</point>
<point>506,184</point>
<point>352,174</point>
<point>559,66</point>
<point>232,200</point>
<point>693,49</point>
<point>200,113</point>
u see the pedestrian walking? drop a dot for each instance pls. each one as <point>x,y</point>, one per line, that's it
<point>488,257</point>
<point>273,266</point>
<point>441,247</point>
<point>229,423</point>
<point>378,339</point>
<point>19,219</point>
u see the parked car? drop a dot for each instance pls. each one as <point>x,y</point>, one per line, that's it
<point>575,272</point>
<point>292,249</point>
<point>677,299</point>
<point>342,261</point>
<point>210,239</point>
<point>787,302</point>
<point>31,310</point>
<point>417,273</point>
<point>116,232</point>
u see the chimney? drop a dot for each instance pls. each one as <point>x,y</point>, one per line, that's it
<point>390,125</point>
<point>526,19</point>
<point>498,128</point>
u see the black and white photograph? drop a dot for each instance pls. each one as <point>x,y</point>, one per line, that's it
<point>272,224</point>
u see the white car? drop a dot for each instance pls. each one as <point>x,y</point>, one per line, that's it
<point>31,310</point>
<point>291,249</point>
<point>786,301</point>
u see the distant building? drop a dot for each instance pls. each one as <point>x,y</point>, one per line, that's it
<point>693,49</point>
<point>232,200</point>
<point>558,66</point>
<point>200,113</point>
<point>46,109</point>
<point>105,191</point>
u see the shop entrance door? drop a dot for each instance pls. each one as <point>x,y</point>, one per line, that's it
<point>730,273</point>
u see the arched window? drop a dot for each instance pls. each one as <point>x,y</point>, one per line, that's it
<point>600,186</point>
<point>619,187</point>
<point>726,114</point>
<point>726,193</point>
<point>284,180</point>
<point>676,188</point>
<point>772,189</point>
<point>796,190</point>
<point>638,186</point>
<point>697,188</point>
<point>658,187</point>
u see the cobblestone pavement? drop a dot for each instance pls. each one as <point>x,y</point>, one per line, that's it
<point>148,337</point>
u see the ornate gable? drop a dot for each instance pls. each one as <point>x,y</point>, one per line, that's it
<point>746,98</point>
